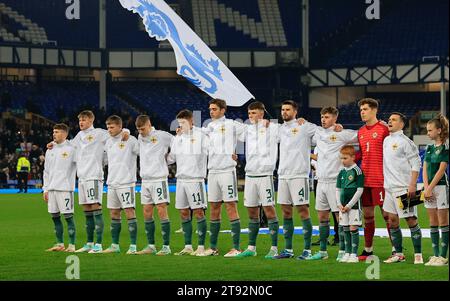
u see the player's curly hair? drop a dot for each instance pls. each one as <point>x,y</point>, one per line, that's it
<point>441,122</point>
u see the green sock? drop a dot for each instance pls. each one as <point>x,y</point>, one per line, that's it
<point>307,233</point>
<point>347,239</point>
<point>341,238</point>
<point>58,229</point>
<point>90,226</point>
<point>165,231</point>
<point>416,236</point>
<point>187,229</point>
<point>99,225</point>
<point>397,239</point>
<point>132,228</point>
<point>434,233</point>
<point>236,233</point>
<point>70,228</point>
<point>444,245</point>
<point>324,233</point>
<point>288,230</point>
<point>201,227</point>
<point>253,229</point>
<point>150,231</point>
<point>215,228</point>
<point>116,226</point>
<point>273,230</point>
<point>355,241</point>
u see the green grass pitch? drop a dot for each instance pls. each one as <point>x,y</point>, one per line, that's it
<point>27,230</point>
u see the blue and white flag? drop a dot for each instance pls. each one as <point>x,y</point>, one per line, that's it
<point>195,60</point>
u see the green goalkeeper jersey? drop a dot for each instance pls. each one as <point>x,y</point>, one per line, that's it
<point>434,155</point>
<point>348,181</point>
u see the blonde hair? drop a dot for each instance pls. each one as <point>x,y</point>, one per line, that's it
<point>441,122</point>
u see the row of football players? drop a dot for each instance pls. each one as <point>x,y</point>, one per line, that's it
<point>197,150</point>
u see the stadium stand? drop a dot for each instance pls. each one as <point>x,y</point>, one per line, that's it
<point>403,36</point>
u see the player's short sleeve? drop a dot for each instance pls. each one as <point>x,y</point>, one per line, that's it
<point>360,180</point>
<point>427,157</point>
<point>443,156</point>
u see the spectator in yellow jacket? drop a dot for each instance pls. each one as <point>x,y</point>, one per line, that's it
<point>23,169</point>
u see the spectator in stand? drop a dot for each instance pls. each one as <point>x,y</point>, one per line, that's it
<point>23,169</point>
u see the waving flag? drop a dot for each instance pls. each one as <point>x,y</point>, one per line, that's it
<point>195,60</point>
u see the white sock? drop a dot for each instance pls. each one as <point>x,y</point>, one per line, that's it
<point>368,249</point>
<point>252,248</point>
<point>202,248</point>
<point>188,246</point>
<point>274,248</point>
<point>290,250</point>
<point>152,246</point>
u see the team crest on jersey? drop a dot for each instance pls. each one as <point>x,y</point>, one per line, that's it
<point>294,131</point>
<point>65,155</point>
<point>262,131</point>
<point>362,137</point>
<point>350,177</point>
<point>153,140</point>
<point>121,145</point>
<point>222,129</point>
<point>395,146</point>
<point>90,138</point>
<point>193,140</point>
<point>374,135</point>
<point>437,152</point>
<point>333,138</point>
